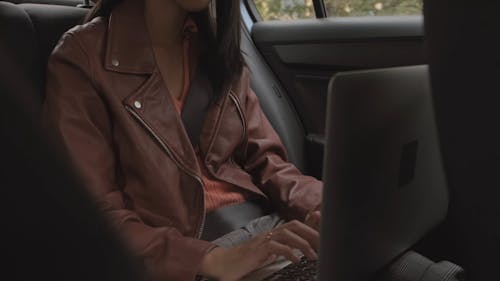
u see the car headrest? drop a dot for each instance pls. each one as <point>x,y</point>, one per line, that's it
<point>18,43</point>
<point>29,33</point>
<point>50,22</point>
<point>72,3</point>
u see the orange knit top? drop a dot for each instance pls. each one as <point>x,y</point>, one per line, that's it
<point>217,193</point>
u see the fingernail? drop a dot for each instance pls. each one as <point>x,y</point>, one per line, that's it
<point>313,254</point>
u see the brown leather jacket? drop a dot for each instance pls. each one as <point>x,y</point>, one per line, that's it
<point>112,109</point>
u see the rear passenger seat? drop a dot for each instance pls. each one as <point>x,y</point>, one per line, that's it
<point>72,3</point>
<point>29,32</point>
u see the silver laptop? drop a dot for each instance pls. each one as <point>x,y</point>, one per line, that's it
<point>384,181</point>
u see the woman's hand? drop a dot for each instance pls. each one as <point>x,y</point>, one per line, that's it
<point>228,264</point>
<point>313,219</point>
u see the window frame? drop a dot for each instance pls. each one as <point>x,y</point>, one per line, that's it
<point>319,9</point>
<point>252,10</point>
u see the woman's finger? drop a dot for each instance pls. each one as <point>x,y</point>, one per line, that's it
<point>275,248</point>
<point>306,232</point>
<point>287,237</point>
<point>313,219</point>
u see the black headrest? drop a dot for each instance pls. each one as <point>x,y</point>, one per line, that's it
<point>28,34</point>
<point>18,43</point>
<point>72,3</point>
<point>50,22</point>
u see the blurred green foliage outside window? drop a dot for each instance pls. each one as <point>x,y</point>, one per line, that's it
<point>299,9</point>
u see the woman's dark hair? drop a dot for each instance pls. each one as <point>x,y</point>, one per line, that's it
<point>222,58</point>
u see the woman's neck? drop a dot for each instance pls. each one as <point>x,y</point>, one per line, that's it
<point>165,21</point>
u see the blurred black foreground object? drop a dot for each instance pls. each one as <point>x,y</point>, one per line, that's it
<point>463,43</point>
<point>51,230</point>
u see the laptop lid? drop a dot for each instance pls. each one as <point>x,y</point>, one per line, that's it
<point>384,181</point>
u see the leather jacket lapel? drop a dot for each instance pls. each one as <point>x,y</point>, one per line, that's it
<point>152,106</point>
<point>129,51</point>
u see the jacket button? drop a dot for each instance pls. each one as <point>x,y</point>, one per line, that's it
<point>115,62</point>
<point>137,104</point>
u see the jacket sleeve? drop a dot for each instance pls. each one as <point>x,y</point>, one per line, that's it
<point>293,193</point>
<point>80,116</point>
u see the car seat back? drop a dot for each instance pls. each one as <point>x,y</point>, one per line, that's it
<point>28,34</point>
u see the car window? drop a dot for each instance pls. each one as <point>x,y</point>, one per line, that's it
<point>300,9</point>
<point>346,8</point>
<point>285,9</point>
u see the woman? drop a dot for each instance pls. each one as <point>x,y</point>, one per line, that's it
<point>116,90</point>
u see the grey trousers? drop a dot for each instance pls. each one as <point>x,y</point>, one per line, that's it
<point>252,229</point>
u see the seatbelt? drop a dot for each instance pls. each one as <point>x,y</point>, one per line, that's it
<point>196,106</point>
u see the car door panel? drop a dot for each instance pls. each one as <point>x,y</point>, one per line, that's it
<point>304,54</point>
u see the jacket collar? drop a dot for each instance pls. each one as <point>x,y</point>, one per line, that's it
<point>129,47</point>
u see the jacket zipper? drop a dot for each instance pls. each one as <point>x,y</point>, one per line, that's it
<point>171,155</point>
<point>240,111</point>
